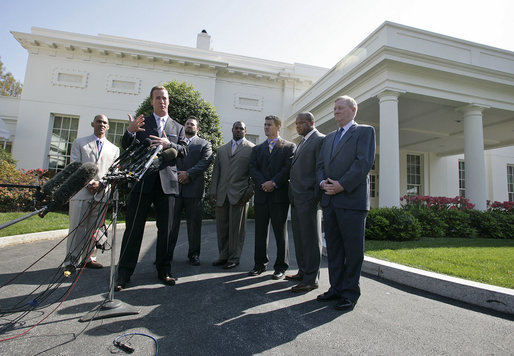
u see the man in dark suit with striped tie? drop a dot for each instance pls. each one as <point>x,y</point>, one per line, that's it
<point>269,168</point>
<point>342,169</point>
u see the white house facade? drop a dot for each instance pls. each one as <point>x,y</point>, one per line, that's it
<point>443,108</point>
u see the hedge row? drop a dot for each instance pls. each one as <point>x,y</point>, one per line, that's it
<point>412,222</point>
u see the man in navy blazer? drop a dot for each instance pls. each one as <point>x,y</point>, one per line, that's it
<point>269,168</point>
<point>191,171</point>
<point>342,169</point>
<point>157,186</point>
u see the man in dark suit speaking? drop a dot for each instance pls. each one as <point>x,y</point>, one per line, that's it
<point>269,168</point>
<point>191,171</point>
<point>158,187</point>
<point>343,165</point>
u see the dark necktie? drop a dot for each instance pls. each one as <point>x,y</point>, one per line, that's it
<point>337,139</point>
<point>299,145</point>
<point>99,145</point>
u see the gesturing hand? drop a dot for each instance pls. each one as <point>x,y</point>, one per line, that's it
<point>135,124</point>
<point>156,141</point>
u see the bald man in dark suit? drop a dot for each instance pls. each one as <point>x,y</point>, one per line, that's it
<point>343,167</point>
<point>304,195</point>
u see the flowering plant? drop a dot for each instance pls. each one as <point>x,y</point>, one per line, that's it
<point>438,203</point>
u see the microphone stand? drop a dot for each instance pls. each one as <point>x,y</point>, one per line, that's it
<point>111,307</point>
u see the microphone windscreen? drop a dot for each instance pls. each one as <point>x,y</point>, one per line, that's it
<point>168,154</point>
<point>75,183</point>
<point>51,186</point>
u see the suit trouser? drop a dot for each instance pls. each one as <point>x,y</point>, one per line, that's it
<point>277,213</point>
<point>193,208</point>
<point>231,230</point>
<point>344,234</point>
<point>85,218</point>
<point>137,212</point>
<point>306,224</point>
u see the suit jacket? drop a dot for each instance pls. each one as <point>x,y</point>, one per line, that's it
<point>275,166</point>
<point>167,171</point>
<point>84,149</point>
<point>349,164</point>
<point>198,159</point>
<point>302,177</point>
<point>231,175</point>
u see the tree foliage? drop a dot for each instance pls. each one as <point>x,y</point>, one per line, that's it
<point>8,85</point>
<point>184,102</point>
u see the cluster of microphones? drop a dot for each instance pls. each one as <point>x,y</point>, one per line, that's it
<point>131,165</point>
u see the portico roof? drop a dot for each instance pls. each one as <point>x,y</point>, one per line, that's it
<point>436,78</point>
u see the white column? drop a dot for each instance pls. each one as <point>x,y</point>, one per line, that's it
<point>474,156</point>
<point>389,142</point>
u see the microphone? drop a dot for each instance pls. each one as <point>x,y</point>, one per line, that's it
<point>168,155</point>
<point>149,162</point>
<point>127,152</point>
<point>72,186</point>
<point>164,156</point>
<point>137,154</point>
<point>53,184</point>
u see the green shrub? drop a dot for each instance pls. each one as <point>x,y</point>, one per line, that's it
<point>401,225</point>
<point>6,156</point>
<point>430,220</point>
<point>18,199</point>
<point>494,224</point>
<point>376,224</point>
<point>458,223</point>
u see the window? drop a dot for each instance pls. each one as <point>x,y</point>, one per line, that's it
<point>414,183</point>
<point>462,179</point>
<point>64,131</point>
<point>6,145</point>
<point>372,186</point>
<point>252,138</point>
<point>510,181</point>
<point>116,130</point>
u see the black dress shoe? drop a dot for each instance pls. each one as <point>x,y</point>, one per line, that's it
<point>345,304</point>
<point>278,275</point>
<point>327,296</point>
<point>219,262</point>
<point>167,279</point>
<point>230,265</point>
<point>121,283</point>
<point>194,260</point>
<point>256,271</point>
<point>303,288</point>
<point>294,277</point>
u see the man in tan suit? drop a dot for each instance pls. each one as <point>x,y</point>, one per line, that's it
<point>85,212</point>
<point>231,189</point>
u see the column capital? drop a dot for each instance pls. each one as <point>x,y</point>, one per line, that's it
<point>472,108</point>
<point>390,94</point>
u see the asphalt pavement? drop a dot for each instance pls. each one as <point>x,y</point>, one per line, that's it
<point>212,311</point>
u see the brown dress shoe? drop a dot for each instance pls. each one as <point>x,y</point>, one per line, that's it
<point>294,277</point>
<point>303,288</point>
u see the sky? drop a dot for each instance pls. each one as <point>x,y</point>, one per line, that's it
<point>316,32</point>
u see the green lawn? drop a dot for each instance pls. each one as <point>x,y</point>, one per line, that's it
<point>51,221</point>
<point>482,260</point>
